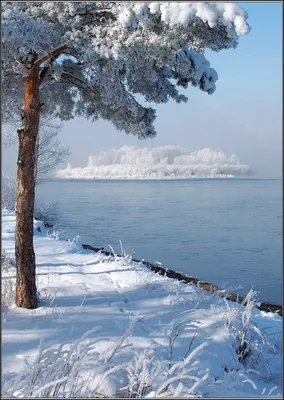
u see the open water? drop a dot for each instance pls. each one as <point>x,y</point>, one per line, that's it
<point>224,231</point>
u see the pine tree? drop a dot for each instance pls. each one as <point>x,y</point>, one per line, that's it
<point>92,59</point>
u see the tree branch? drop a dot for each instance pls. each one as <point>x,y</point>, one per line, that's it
<point>45,69</point>
<point>100,13</point>
<point>55,53</point>
<point>67,74</point>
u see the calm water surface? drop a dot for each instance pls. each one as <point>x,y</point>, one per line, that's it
<point>228,232</point>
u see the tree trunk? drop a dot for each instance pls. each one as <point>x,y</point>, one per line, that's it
<point>26,292</point>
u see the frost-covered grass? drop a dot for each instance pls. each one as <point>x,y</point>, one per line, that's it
<point>109,327</point>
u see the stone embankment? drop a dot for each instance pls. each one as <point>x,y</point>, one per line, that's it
<point>209,287</point>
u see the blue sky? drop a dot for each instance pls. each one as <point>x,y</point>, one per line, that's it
<point>243,116</point>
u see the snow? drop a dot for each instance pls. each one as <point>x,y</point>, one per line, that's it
<point>143,333</point>
<point>175,13</point>
<point>151,49</point>
<point>17,27</point>
<point>166,162</point>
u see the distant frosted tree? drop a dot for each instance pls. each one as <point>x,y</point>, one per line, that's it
<point>90,59</point>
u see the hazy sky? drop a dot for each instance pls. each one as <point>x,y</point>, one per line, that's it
<point>243,116</point>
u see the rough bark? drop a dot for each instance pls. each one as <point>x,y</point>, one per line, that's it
<point>26,292</point>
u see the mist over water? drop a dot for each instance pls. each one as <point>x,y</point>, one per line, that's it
<point>224,231</point>
<point>167,162</point>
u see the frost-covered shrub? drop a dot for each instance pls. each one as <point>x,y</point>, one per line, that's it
<point>7,294</point>
<point>7,283</point>
<point>9,192</point>
<point>48,213</point>
<point>7,262</point>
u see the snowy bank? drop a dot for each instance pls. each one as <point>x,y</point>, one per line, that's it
<point>166,162</point>
<point>144,334</point>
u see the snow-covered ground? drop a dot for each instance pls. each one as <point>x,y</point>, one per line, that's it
<point>144,334</point>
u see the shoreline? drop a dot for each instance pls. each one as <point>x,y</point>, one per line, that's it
<point>119,316</point>
<point>207,286</point>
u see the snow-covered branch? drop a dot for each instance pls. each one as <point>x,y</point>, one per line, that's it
<point>52,55</point>
<point>107,53</point>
